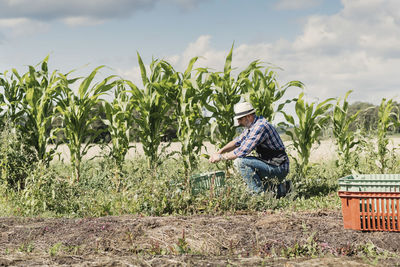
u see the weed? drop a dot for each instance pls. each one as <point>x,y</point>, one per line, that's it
<point>26,247</point>
<point>55,249</point>
<point>373,254</point>
<point>182,247</point>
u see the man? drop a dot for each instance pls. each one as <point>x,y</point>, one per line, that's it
<point>259,135</point>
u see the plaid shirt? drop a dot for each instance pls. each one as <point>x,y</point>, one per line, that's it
<point>260,132</point>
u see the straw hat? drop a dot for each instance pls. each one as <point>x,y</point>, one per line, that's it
<point>242,109</point>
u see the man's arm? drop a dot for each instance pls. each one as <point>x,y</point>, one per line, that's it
<point>225,153</point>
<point>228,147</point>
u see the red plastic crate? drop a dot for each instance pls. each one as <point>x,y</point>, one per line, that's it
<point>371,211</point>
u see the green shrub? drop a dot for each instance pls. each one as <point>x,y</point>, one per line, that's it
<point>105,190</point>
<point>17,159</point>
<point>46,191</point>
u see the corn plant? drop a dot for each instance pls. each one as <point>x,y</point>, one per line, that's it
<point>193,93</point>
<point>345,138</point>
<point>226,93</point>
<point>265,91</point>
<point>40,88</point>
<point>77,114</point>
<point>312,118</point>
<point>119,120</point>
<point>11,98</point>
<point>2,117</point>
<point>387,119</point>
<point>153,105</point>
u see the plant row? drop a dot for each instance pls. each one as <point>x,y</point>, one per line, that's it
<point>32,102</point>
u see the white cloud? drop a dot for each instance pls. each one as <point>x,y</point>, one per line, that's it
<point>132,74</point>
<point>48,9</point>
<point>22,27</point>
<point>69,10</point>
<point>76,12</point>
<point>334,53</point>
<point>188,4</point>
<point>207,55</point>
<point>19,17</point>
<point>358,48</point>
<point>82,20</point>
<point>297,4</point>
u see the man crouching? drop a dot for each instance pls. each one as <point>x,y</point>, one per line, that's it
<point>259,135</point>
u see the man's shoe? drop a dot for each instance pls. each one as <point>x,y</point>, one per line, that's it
<point>284,188</point>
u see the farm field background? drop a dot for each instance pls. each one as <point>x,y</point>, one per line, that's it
<point>146,73</point>
<point>289,232</point>
<point>139,203</point>
<point>325,151</point>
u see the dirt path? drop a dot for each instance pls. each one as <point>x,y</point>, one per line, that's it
<point>238,240</point>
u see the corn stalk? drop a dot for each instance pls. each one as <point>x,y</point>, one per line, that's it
<point>78,114</point>
<point>226,94</point>
<point>387,119</point>
<point>345,138</point>
<point>119,120</point>
<point>193,93</point>
<point>312,118</point>
<point>265,91</point>
<point>153,105</point>
<point>11,98</point>
<point>35,112</point>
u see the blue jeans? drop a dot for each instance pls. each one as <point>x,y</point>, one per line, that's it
<point>255,173</point>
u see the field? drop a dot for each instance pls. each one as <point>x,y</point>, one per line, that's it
<point>135,206</point>
<point>255,239</point>
<point>312,235</point>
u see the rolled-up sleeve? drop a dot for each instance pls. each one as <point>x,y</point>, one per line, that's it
<point>240,138</point>
<point>249,140</point>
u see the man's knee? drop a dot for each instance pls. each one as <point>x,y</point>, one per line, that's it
<point>238,163</point>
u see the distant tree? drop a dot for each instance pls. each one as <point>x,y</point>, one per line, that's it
<point>368,117</point>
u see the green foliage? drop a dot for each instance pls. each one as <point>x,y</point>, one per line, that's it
<point>119,120</point>
<point>367,118</point>
<point>77,113</point>
<point>388,119</point>
<point>11,98</point>
<point>264,92</point>
<point>373,254</point>
<point>17,159</point>
<point>227,93</point>
<point>345,138</point>
<point>321,181</point>
<point>193,93</point>
<point>103,191</point>
<point>156,185</point>
<point>26,247</point>
<point>153,105</point>
<point>45,191</point>
<point>308,248</point>
<point>312,119</point>
<point>55,249</point>
<point>30,106</point>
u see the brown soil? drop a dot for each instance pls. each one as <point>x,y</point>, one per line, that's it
<point>236,240</point>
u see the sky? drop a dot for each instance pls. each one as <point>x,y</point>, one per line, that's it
<point>332,46</point>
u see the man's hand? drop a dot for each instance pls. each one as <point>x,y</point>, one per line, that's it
<point>215,158</point>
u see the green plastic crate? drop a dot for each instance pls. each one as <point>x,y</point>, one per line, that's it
<point>370,183</point>
<point>206,181</point>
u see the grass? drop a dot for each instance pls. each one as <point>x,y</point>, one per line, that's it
<point>103,190</point>
<point>106,189</point>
